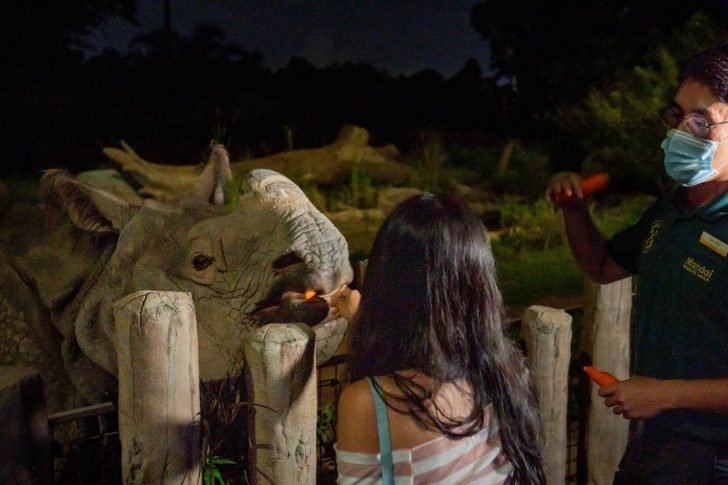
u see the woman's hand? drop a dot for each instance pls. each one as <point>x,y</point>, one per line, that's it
<point>346,302</point>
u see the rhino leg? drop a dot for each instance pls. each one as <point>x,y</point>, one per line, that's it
<point>28,338</point>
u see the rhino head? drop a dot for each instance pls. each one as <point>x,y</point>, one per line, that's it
<point>241,253</point>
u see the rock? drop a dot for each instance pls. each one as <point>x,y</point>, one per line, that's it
<point>390,197</point>
<point>359,226</point>
<point>357,220</point>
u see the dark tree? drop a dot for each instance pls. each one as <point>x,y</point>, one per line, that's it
<point>41,67</point>
<point>552,54</point>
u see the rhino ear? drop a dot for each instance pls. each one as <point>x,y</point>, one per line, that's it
<point>89,208</point>
<point>215,181</point>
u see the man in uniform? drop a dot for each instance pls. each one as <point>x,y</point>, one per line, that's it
<point>678,395</point>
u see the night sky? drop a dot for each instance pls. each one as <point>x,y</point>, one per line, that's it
<point>399,36</point>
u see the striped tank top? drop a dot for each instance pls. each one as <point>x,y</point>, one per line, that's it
<point>474,459</point>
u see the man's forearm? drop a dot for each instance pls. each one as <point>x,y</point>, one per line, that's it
<point>645,397</point>
<point>589,247</point>
<point>700,394</point>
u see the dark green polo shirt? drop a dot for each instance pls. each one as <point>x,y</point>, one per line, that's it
<point>680,323</point>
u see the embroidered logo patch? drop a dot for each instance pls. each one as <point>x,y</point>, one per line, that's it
<point>702,272</point>
<point>712,242</point>
<point>649,242</point>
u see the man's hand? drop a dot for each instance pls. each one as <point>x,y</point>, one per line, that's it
<point>638,397</point>
<point>564,183</point>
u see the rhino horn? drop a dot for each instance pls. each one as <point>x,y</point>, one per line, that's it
<point>89,208</point>
<point>214,181</point>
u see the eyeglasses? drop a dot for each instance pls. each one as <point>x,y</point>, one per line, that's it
<point>672,117</point>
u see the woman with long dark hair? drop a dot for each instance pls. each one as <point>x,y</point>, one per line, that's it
<point>434,377</point>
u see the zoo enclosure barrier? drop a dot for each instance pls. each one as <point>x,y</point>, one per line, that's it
<point>574,436</point>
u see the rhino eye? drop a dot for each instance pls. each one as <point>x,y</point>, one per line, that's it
<point>201,261</point>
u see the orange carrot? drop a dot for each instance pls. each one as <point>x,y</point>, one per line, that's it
<point>590,185</point>
<point>309,294</point>
<point>600,377</point>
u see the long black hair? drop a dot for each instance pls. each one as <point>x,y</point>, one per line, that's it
<point>430,302</point>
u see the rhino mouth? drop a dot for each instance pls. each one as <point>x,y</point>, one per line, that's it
<point>287,302</point>
<point>289,306</point>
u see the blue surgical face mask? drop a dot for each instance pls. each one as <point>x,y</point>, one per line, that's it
<point>688,159</point>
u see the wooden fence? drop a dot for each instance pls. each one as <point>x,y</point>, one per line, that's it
<point>281,369</point>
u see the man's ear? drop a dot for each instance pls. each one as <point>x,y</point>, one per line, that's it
<point>89,208</point>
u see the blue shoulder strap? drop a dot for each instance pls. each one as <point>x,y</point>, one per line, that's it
<point>385,445</point>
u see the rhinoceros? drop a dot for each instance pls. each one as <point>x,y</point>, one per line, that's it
<point>238,252</point>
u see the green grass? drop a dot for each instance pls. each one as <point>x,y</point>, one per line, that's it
<point>536,263</point>
<point>530,275</point>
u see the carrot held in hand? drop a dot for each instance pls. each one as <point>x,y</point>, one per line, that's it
<point>600,377</point>
<point>590,185</point>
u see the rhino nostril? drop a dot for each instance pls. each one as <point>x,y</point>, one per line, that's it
<point>286,260</point>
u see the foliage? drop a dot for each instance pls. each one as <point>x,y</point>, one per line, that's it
<point>523,173</point>
<point>325,432</point>
<point>320,198</point>
<point>361,190</point>
<point>211,474</point>
<point>429,160</point>
<point>223,128</point>
<point>535,225</point>
<point>592,93</point>
<point>616,213</point>
<point>533,257</point>
<point>552,54</point>
<point>473,164</point>
<point>288,130</point>
<point>617,123</point>
<point>224,430</point>
<point>357,190</point>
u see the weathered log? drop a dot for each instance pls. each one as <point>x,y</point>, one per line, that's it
<point>24,439</point>
<point>606,337</point>
<point>322,165</point>
<point>280,369</point>
<point>547,333</point>
<point>159,396</point>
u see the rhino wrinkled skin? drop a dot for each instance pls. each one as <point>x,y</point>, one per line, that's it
<point>236,251</point>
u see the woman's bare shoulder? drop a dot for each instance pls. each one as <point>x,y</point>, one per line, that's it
<point>356,423</point>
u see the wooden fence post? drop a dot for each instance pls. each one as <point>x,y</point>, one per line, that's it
<point>547,333</point>
<point>24,437</point>
<point>159,394</point>
<point>280,366</point>
<point>606,337</point>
